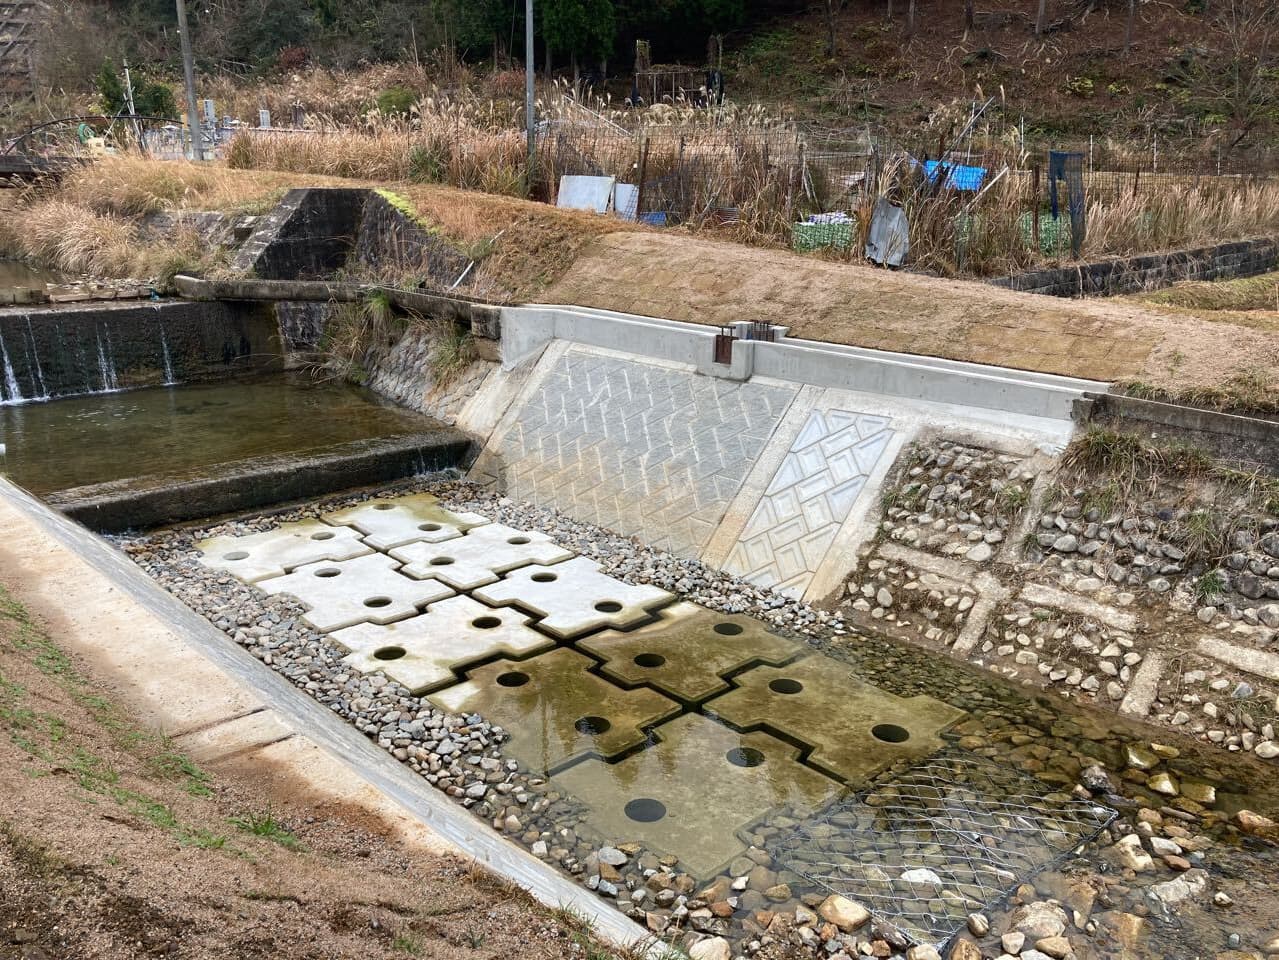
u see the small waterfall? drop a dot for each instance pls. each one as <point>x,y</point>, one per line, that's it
<point>106,366</point>
<point>168,361</point>
<point>12,392</point>
<point>35,359</point>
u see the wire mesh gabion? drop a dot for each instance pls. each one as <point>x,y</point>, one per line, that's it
<point>950,836</point>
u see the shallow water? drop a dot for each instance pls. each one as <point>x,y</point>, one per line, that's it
<point>172,431</point>
<point>16,274</point>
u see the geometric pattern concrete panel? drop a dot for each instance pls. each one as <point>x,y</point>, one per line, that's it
<point>687,652</point>
<point>478,557</point>
<point>257,556</point>
<point>854,728</point>
<point>556,710</point>
<point>695,790</point>
<point>574,597</point>
<point>638,448</point>
<point>808,499</point>
<point>426,650</point>
<point>388,523</point>
<point>366,589</point>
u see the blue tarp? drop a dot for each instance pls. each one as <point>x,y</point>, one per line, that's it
<point>957,177</point>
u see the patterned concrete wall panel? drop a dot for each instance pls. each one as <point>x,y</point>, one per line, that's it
<point>810,496</point>
<point>640,448</point>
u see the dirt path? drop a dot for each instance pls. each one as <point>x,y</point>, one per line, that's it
<point>114,846</point>
<point>712,282</point>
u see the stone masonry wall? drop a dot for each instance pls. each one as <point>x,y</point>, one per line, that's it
<point>1243,258</point>
<point>1166,609</point>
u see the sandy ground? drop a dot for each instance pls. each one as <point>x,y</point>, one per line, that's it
<point>712,282</point>
<point>111,848</point>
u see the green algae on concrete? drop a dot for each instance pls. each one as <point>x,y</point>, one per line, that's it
<point>687,652</point>
<point>555,710</point>
<point>855,729</point>
<point>691,794</point>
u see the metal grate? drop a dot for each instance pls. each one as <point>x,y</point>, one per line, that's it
<point>948,837</point>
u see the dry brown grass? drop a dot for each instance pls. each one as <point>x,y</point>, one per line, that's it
<point>130,185</point>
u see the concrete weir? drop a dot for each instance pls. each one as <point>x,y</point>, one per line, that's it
<point>766,466</point>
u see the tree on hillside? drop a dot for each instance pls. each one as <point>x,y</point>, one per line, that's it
<point>585,29</point>
<point>1238,82</point>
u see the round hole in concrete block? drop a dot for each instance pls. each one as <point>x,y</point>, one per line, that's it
<point>544,577</point>
<point>328,572</point>
<point>376,602</point>
<point>486,623</point>
<point>428,527</point>
<point>608,606</point>
<point>649,660</point>
<point>518,541</point>
<point>727,629</point>
<point>236,555</point>
<point>383,506</point>
<point>323,535</point>
<point>785,685</point>
<point>744,757</point>
<point>890,733</point>
<point>645,810</point>
<point>512,679</point>
<point>388,653</point>
<point>441,561</point>
<point>593,726</point>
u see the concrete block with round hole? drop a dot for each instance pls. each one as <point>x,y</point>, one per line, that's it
<point>555,709</point>
<point>575,597</point>
<point>425,651</point>
<point>364,590</point>
<point>695,790</point>
<point>479,557</point>
<point>854,729</point>
<point>688,651</point>
<point>273,553</point>
<point>390,522</point>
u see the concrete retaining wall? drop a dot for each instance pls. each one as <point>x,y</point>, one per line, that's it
<point>1243,258</point>
<point>85,348</point>
<point>527,330</point>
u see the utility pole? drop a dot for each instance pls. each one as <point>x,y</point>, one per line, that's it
<point>188,66</point>
<point>133,110</point>
<point>529,120</point>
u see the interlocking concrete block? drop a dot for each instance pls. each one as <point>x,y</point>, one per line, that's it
<point>855,729</point>
<point>425,651</point>
<point>574,597</point>
<point>393,522</point>
<point>275,552</point>
<point>366,589</point>
<point>555,709</point>
<point>692,793</point>
<point>688,651</point>
<point>801,512</point>
<point>480,556</point>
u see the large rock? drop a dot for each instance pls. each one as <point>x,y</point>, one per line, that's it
<point>1129,853</point>
<point>846,914</point>
<point>1257,825</point>
<point>923,952</point>
<point>712,948</point>
<point>964,950</point>
<point>1191,885</point>
<point>1039,920</point>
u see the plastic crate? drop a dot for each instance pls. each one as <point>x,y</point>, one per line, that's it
<point>806,237</point>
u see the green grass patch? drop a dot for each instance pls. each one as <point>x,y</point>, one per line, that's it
<point>266,826</point>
